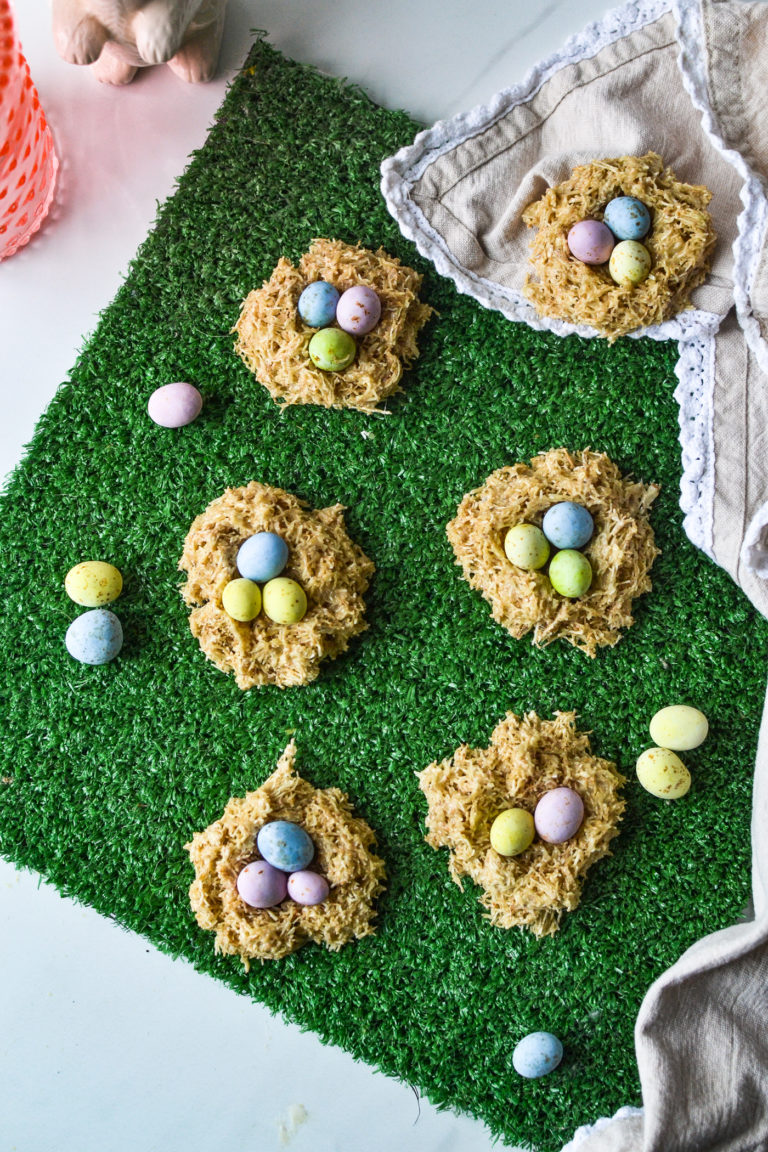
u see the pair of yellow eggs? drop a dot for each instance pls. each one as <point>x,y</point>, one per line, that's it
<point>660,770</point>
<point>283,600</point>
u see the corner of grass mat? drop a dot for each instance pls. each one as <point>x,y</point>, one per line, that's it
<point>107,771</point>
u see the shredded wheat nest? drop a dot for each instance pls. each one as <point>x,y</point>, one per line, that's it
<point>331,569</point>
<point>343,855</point>
<point>621,550</point>
<point>681,242</point>
<point>273,340</point>
<point>525,758</point>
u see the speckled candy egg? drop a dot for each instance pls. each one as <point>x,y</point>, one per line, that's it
<point>284,601</point>
<point>537,1054</point>
<point>308,888</point>
<point>570,573</point>
<point>559,815</point>
<point>591,241</point>
<point>285,845</point>
<point>663,774</point>
<point>628,218</point>
<point>242,600</point>
<point>175,405</point>
<point>568,525</point>
<point>526,546</point>
<point>679,727</point>
<point>262,886</point>
<point>262,556</point>
<point>332,350</point>
<point>93,583</point>
<point>317,304</point>
<point>630,263</point>
<point>512,832</point>
<point>358,310</point>
<point>96,637</point>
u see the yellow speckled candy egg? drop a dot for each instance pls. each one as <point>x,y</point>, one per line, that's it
<point>630,263</point>
<point>663,774</point>
<point>93,583</point>
<point>679,727</point>
<point>285,601</point>
<point>512,832</point>
<point>526,546</point>
<point>242,600</point>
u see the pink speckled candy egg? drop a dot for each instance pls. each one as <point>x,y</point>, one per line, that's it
<point>358,310</point>
<point>175,405</point>
<point>591,241</point>
<point>559,815</point>
<point>308,887</point>
<point>262,886</point>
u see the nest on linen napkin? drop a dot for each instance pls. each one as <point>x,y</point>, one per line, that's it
<point>681,241</point>
<point>343,855</point>
<point>526,757</point>
<point>273,340</point>
<point>621,550</point>
<point>333,571</point>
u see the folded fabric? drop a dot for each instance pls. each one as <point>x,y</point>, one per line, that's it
<point>685,79</point>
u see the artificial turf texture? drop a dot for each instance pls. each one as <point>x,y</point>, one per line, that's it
<point>107,771</point>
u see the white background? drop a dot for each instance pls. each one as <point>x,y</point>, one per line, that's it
<point>107,1046</point>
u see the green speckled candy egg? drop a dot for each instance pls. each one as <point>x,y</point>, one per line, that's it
<point>332,350</point>
<point>570,573</point>
<point>663,774</point>
<point>630,263</point>
<point>526,546</point>
<point>93,583</point>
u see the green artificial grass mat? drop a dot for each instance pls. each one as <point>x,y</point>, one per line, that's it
<point>106,772</point>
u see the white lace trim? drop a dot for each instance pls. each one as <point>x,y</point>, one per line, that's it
<point>752,224</point>
<point>754,550</point>
<point>400,172</point>
<point>582,1134</point>
<point>695,371</point>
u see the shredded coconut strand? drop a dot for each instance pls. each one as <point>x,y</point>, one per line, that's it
<point>331,569</point>
<point>620,552</point>
<point>274,341</point>
<point>681,241</point>
<point>343,855</point>
<point>525,758</point>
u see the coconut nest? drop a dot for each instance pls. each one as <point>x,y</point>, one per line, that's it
<point>331,569</point>
<point>273,340</point>
<point>525,758</point>
<point>620,552</point>
<point>343,844</point>
<point>681,241</point>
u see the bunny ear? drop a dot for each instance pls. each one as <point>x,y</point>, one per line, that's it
<point>460,189</point>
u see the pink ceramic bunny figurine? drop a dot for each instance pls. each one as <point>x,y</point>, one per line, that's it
<point>118,37</point>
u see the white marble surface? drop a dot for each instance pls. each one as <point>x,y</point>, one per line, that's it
<point>109,1046</point>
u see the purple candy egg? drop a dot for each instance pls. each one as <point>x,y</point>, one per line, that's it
<point>308,887</point>
<point>559,815</point>
<point>175,405</point>
<point>261,886</point>
<point>591,241</point>
<point>358,310</point>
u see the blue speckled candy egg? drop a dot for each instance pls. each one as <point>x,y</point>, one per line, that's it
<point>285,845</point>
<point>262,556</point>
<point>317,304</point>
<point>95,637</point>
<point>537,1054</point>
<point>628,218</point>
<point>568,525</point>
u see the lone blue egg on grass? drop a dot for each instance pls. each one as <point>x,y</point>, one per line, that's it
<point>568,525</point>
<point>537,1054</point>
<point>285,845</point>
<point>262,556</point>
<point>317,304</point>
<point>96,637</point>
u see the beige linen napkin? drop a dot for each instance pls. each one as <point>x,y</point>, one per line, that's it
<point>687,79</point>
